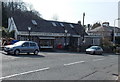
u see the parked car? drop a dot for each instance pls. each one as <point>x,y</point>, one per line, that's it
<point>22,47</point>
<point>94,50</point>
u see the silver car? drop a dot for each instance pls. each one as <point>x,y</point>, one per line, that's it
<point>22,47</point>
<point>94,50</point>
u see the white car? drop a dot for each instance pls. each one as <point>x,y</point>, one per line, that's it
<point>22,47</point>
<point>94,50</point>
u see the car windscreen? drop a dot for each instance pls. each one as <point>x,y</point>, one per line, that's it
<point>18,43</point>
<point>93,47</point>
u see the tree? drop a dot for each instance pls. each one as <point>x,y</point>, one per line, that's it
<point>7,34</point>
<point>17,7</point>
<point>14,5</point>
<point>4,16</point>
<point>106,42</point>
<point>55,17</point>
<point>8,9</point>
<point>36,13</point>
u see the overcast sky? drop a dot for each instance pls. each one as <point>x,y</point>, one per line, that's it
<point>72,10</point>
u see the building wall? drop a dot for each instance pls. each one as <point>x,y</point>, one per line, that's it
<point>90,40</point>
<point>103,34</point>
<point>119,13</point>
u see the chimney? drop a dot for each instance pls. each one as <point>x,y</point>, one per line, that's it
<point>105,24</point>
<point>79,22</point>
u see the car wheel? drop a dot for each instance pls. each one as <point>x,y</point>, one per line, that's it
<point>36,52</point>
<point>16,52</point>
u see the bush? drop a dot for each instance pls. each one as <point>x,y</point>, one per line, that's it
<point>117,50</point>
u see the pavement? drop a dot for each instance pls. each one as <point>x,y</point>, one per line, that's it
<point>59,66</point>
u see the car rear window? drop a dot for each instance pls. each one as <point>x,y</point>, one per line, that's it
<point>32,44</point>
<point>95,47</point>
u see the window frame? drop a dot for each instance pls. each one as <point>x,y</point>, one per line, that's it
<point>23,45</point>
<point>32,45</point>
<point>54,24</point>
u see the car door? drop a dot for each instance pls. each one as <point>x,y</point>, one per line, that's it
<point>98,50</point>
<point>32,46</point>
<point>25,47</point>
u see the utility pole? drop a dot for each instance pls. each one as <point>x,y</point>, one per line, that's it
<point>83,18</point>
<point>29,29</point>
<point>83,25</point>
<point>66,38</point>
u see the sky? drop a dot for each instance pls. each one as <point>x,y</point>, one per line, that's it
<point>72,10</point>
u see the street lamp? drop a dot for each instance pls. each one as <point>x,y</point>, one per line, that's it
<point>114,29</point>
<point>66,37</point>
<point>29,29</point>
<point>83,18</point>
<point>83,26</point>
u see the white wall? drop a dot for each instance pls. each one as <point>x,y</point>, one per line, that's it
<point>12,26</point>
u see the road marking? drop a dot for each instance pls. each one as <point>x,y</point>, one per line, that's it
<point>10,57</point>
<point>116,78</point>
<point>73,63</point>
<point>9,76</point>
<point>98,59</point>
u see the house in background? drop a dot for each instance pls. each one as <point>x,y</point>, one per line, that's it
<point>47,33</point>
<point>104,32</point>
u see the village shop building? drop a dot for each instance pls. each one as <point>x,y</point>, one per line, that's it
<point>47,33</point>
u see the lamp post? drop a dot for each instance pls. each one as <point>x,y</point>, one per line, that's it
<point>29,29</point>
<point>114,29</point>
<point>83,26</point>
<point>83,18</point>
<point>66,37</point>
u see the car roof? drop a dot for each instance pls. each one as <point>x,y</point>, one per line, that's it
<point>26,41</point>
<point>95,46</point>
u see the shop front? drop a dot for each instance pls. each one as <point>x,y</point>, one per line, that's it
<point>46,42</point>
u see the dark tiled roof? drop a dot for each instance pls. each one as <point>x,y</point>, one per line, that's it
<point>23,22</point>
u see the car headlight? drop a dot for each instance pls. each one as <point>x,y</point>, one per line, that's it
<point>9,49</point>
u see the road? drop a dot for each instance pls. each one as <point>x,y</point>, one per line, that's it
<point>59,66</point>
